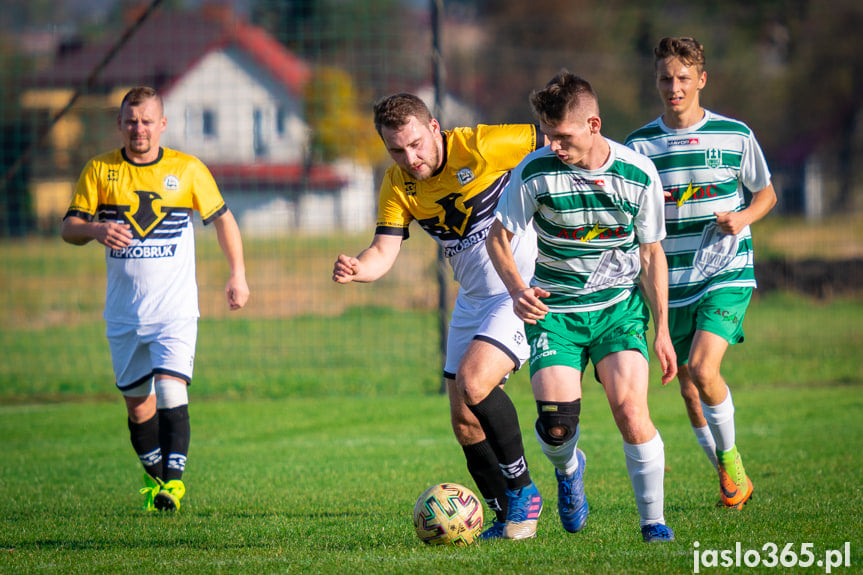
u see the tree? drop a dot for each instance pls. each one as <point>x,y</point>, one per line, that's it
<point>339,128</point>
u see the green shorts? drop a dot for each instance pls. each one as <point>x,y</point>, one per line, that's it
<point>573,339</point>
<point>720,312</point>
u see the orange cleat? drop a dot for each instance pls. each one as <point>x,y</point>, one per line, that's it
<point>735,487</point>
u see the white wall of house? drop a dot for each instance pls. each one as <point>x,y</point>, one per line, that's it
<point>228,110</point>
<point>349,209</point>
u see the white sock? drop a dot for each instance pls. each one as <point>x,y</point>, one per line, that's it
<point>705,440</point>
<point>645,463</point>
<point>563,457</point>
<point>720,418</point>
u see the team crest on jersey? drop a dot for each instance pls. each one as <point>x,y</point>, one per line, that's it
<point>465,175</point>
<point>147,217</point>
<point>714,157</point>
<point>171,183</point>
<point>113,175</point>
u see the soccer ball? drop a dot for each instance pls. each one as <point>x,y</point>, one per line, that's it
<point>448,514</point>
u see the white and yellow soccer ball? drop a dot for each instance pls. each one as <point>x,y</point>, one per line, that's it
<point>448,514</point>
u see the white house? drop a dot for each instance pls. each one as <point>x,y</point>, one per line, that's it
<point>233,97</point>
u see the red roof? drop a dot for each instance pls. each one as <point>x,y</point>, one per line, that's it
<point>169,44</point>
<point>277,176</point>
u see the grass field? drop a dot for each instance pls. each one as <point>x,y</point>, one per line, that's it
<point>313,434</point>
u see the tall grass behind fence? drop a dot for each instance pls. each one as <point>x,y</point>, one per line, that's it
<point>276,98</point>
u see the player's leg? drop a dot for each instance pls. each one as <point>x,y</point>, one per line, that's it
<point>481,460</point>
<point>172,351</point>
<point>620,355</point>
<point>134,378</point>
<point>484,366</point>
<point>144,435</point>
<point>467,320</point>
<point>692,401</point>
<point>624,375</point>
<point>558,345</point>
<point>174,437</point>
<point>708,349</point>
<point>557,389</point>
<point>681,323</point>
<point>487,340</point>
<point>719,324</point>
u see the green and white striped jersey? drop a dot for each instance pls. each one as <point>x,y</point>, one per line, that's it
<point>589,224</point>
<point>704,169</point>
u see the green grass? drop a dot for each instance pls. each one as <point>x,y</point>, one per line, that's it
<point>307,458</point>
<point>327,485</point>
<point>317,421</point>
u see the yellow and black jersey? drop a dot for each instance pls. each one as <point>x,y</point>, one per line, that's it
<point>153,279</point>
<point>456,205</point>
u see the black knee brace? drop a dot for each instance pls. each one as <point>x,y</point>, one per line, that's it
<point>560,415</point>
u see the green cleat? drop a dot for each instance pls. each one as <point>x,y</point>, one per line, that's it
<point>152,485</point>
<point>735,488</point>
<point>168,499</point>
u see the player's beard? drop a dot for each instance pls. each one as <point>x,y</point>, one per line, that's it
<point>140,146</point>
<point>428,167</point>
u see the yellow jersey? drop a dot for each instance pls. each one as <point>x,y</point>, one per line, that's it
<point>456,205</point>
<point>153,279</point>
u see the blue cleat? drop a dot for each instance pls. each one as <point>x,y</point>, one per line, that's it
<point>656,533</point>
<point>525,505</point>
<point>571,502</point>
<point>493,532</point>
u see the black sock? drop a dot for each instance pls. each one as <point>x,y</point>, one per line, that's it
<point>145,442</point>
<point>174,434</point>
<point>483,467</point>
<point>499,420</point>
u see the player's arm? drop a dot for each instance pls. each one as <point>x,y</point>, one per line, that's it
<point>78,231</point>
<point>654,285</point>
<point>525,299</point>
<point>228,232</point>
<point>371,263</point>
<point>762,202</point>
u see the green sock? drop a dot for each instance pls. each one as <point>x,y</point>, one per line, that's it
<point>731,463</point>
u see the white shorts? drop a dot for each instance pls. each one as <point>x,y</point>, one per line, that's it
<point>490,319</point>
<point>139,352</point>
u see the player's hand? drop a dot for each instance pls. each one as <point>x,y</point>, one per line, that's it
<point>237,292</point>
<point>345,269</point>
<point>527,304</point>
<point>731,223</point>
<point>666,355</point>
<point>113,235</point>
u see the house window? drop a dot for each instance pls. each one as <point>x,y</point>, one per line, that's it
<point>259,141</point>
<point>281,120</point>
<point>208,123</point>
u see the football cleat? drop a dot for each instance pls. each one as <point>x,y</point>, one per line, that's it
<point>493,532</point>
<point>656,533</point>
<point>525,505</point>
<point>168,498</point>
<point>571,502</point>
<point>152,485</point>
<point>735,487</point>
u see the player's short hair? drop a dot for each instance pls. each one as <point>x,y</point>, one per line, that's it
<point>395,111</point>
<point>687,50</point>
<point>564,93</point>
<point>136,96</point>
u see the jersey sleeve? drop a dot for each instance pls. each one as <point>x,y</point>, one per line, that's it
<point>506,145</point>
<point>650,219</point>
<point>754,173</point>
<point>394,218</point>
<point>517,204</point>
<point>86,199</point>
<point>205,193</point>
